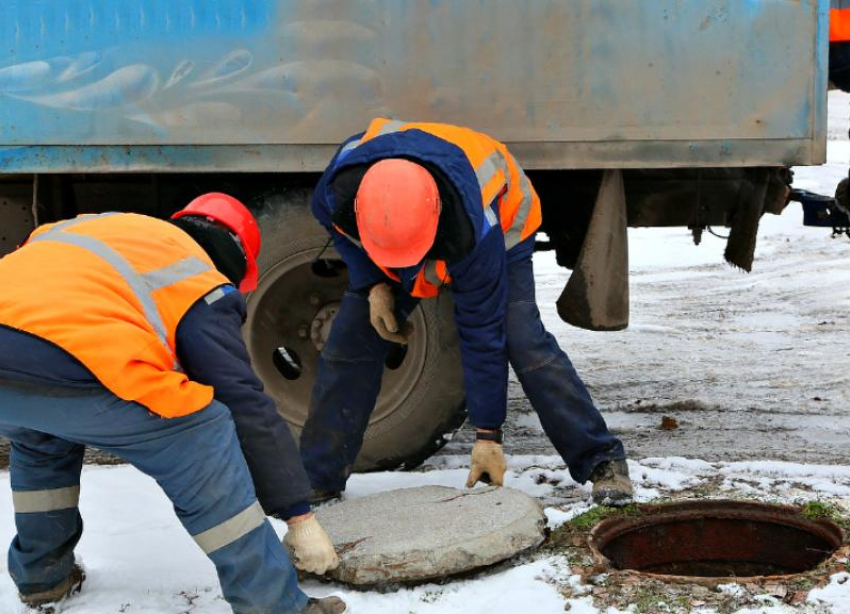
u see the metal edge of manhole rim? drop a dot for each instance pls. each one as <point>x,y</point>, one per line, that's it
<point>603,564</point>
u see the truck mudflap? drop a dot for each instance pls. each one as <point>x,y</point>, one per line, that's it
<point>596,296</point>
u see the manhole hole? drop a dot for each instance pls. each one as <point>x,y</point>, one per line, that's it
<point>716,539</point>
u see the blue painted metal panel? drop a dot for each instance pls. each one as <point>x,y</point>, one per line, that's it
<point>44,29</point>
<point>607,78</point>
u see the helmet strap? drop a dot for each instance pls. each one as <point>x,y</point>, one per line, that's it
<point>221,245</point>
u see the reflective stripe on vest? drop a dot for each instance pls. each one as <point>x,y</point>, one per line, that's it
<point>433,276</point>
<point>231,529</point>
<point>111,290</point>
<point>500,179</point>
<point>40,501</point>
<point>436,273</point>
<point>839,21</point>
<point>143,286</point>
<point>513,236</point>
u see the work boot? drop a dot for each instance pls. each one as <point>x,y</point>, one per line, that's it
<point>45,600</point>
<point>611,484</point>
<point>328,605</point>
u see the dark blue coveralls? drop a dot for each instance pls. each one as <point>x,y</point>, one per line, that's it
<point>495,312</point>
<point>51,407</point>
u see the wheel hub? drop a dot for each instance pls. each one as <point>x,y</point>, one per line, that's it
<point>293,309</point>
<point>320,329</point>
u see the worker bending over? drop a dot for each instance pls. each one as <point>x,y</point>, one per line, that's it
<point>839,69</point>
<point>413,208</point>
<point>122,332</point>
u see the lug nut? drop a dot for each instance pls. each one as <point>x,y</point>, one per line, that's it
<point>315,299</point>
<point>303,331</point>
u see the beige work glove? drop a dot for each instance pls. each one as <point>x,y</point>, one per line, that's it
<point>310,547</point>
<point>382,315</point>
<point>488,464</point>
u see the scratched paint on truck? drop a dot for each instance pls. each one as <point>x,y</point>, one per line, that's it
<point>607,78</point>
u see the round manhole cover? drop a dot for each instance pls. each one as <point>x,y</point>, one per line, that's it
<point>418,534</point>
<point>716,539</point>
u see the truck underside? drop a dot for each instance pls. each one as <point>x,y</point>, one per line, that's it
<point>302,280</point>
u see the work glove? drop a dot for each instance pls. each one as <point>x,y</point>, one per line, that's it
<point>310,547</point>
<point>382,315</point>
<point>488,464</point>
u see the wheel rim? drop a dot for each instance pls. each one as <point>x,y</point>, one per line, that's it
<point>291,310</point>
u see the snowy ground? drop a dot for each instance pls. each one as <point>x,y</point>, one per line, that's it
<point>139,560</point>
<point>752,365</point>
<point>755,368</point>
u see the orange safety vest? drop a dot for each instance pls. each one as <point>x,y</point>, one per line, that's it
<point>499,176</point>
<point>839,21</point>
<point>110,290</point>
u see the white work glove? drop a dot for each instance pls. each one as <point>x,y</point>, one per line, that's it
<point>488,464</point>
<point>310,547</point>
<point>382,315</point>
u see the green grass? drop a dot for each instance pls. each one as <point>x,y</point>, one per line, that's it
<point>588,520</point>
<point>648,602</point>
<point>815,510</point>
<point>583,523</point>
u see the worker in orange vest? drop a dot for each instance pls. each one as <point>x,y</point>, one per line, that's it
<point>839,21</point>
<point>122,332</point>
<point>414,208</point>
<point>839,68</point>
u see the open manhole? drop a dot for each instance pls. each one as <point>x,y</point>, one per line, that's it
<point>716,539</point>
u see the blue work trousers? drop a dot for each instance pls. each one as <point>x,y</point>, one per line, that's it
<point>352,362</point>
<point>195,459</point>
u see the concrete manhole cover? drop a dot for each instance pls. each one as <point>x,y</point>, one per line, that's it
<point>419,534</point>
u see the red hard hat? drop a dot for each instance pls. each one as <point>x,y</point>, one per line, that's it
<point>398,209</point>
<point>231,213</point>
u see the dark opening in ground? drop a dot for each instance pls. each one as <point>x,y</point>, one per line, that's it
<point>717,539</point>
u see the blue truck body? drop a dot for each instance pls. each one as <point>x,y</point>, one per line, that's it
<point>624,112</point>
<point>273,85</point>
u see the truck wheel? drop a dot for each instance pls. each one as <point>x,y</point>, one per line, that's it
<point>289,318</point>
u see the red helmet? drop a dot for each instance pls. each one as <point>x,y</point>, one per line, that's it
<point>231,213</point>
<point>398,209</point>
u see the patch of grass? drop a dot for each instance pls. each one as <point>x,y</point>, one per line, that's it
<point>581,525</point>
<point>815,510</point>
<point>588,520</point>
<point>648,602</point>
<point>805,583</point>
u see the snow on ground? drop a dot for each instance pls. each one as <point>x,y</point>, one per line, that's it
<point>755,368</point>
<point>836,595</point>
<point>140,561</point>
<point>751,365</point>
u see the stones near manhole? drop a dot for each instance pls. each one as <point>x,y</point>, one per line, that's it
<point>420,534</point>
<point>716,539</point>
